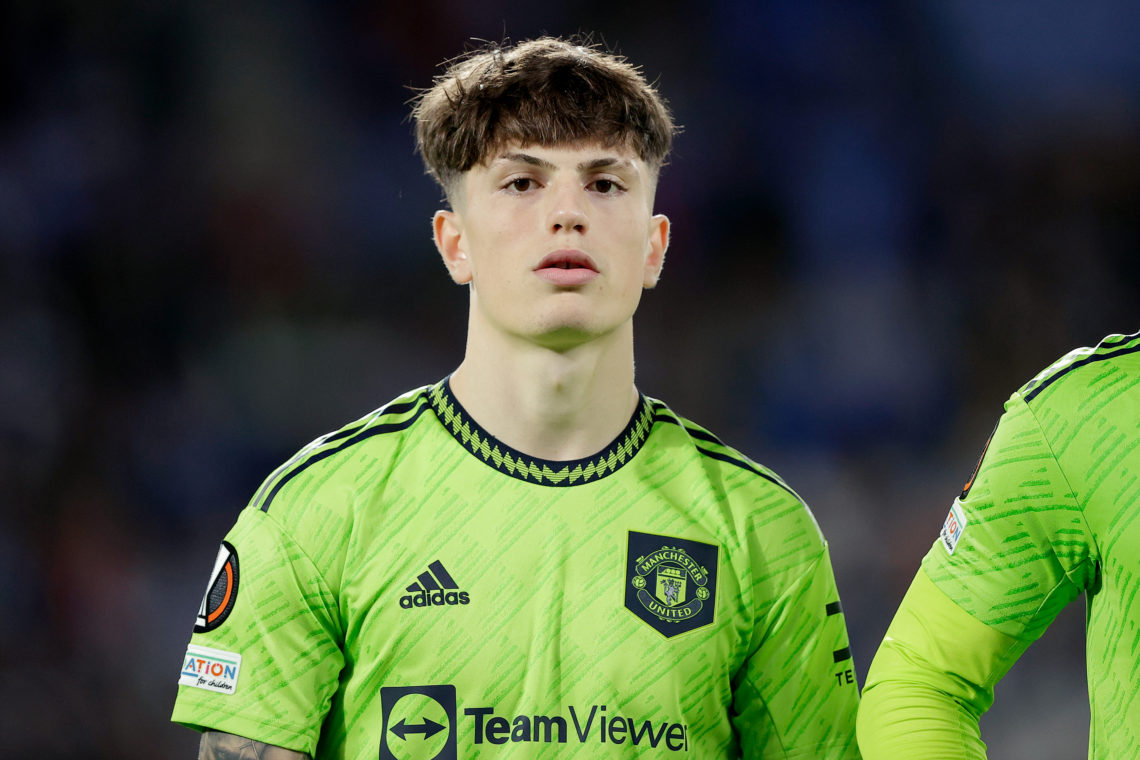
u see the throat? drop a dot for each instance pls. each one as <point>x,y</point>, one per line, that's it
<point>550,415</point>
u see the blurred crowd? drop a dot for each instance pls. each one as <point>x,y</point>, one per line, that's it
<point>214,246</point>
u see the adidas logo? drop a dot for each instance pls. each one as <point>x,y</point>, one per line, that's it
<point>435,587</point>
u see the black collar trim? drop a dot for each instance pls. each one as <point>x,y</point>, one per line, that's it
<point>541,471</point>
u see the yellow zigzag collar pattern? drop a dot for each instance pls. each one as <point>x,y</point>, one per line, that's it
<point>540,471</point>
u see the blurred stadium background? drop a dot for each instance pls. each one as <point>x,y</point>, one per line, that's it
<point>888,215</point>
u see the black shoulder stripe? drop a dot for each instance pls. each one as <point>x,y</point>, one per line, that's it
<point>367,433</point>
<point>1032,394</point>
<point>746,466</point>
<point>390,409</point>
<point>700,435</point>
<point>710,438</point>
<point>404,406</point>
<point>332,438</point>
<point>703,435</point>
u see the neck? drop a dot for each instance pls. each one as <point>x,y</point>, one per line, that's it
<point>551,404</point>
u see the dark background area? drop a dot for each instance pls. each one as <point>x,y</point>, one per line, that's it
<point>215,247</point>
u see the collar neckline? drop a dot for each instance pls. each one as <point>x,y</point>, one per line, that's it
<point>494,453</point>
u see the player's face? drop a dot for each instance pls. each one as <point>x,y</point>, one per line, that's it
<point>556,243</point>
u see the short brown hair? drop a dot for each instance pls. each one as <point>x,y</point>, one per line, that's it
<point>547,91</point>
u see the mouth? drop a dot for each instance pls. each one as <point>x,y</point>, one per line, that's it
<point>567,269</point>
<point>567,259</point>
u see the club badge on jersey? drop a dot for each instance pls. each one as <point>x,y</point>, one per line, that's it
<point>670,582</point>
<point>221,591</point>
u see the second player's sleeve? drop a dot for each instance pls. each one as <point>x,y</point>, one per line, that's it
<point>796,697</point>
<point>931,680</point>
<point>1014,551</point>
<point>265,657</point>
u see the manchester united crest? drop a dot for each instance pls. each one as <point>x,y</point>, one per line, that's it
<point>670,582</point>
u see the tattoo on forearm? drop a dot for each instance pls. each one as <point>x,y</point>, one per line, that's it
<point>217,745</point>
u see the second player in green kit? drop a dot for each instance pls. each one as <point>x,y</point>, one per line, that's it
<point>1052,513</point>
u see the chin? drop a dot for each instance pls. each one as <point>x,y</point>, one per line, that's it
<point>564,329</point>
<point>564,336</point>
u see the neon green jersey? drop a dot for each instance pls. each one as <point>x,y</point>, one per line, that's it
<point>411,587</point>
<point>1051,513</point>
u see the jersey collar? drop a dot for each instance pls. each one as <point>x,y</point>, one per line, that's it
<point>545,472</point>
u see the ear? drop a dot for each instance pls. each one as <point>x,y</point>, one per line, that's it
<point>447,229</point>
<point>658,244</point>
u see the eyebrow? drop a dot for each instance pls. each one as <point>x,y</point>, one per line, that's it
<point>605,162</point>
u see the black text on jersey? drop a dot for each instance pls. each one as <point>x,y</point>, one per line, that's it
<point>434,588</point>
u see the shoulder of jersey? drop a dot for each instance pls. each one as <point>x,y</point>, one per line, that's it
<point>396,416</point>
<point>1113,349</point>
<point>711,447</point>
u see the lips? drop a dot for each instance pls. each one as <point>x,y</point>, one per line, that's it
<point>567,268</point>
<point>567,259</point>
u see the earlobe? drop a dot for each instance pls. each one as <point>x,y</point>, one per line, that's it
<point>447,230</point>
<point>658,244</point>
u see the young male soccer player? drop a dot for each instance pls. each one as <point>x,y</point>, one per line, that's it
<point>1051,512</point>
<point>530,557</point>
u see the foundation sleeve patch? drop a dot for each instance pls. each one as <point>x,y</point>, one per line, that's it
<point>210,669</point>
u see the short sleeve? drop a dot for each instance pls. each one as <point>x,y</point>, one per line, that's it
<point>267,667</point>
<point>796,697</point>
<point>1015,548</point>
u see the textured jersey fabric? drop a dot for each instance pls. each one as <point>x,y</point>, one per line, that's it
<point>409,587</point>
<point>1053,512</point>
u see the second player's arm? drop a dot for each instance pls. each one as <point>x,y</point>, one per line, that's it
<point>932,679</point>
<point>1017,551</point>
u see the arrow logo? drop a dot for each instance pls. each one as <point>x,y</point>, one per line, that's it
<point>428,728</point>
<point>428,736</point>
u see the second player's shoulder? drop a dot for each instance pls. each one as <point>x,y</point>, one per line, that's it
<point>1111,365</point>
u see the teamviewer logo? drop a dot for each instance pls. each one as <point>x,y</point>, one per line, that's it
<point>419,723</point>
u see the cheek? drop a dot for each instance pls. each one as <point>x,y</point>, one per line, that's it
<point>484,249</point>
<point>635,251</point>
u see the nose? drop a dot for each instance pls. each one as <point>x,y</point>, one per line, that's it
<point>567,211</point>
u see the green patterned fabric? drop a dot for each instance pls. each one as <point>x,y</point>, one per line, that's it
<point>1051,513</point>
<point>410,587</point>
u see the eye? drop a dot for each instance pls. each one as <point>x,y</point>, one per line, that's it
<point>606,186</point>
<point>521,184</point>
